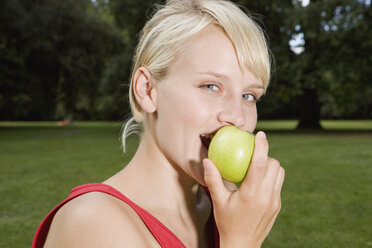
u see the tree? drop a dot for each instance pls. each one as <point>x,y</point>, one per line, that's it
<point>52,55</point>
<point>303,84</point>
<point>72,59</point>
<point>129,16</point>
<point>331,68</point>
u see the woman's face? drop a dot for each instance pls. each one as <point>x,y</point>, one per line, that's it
<point>203,90</point>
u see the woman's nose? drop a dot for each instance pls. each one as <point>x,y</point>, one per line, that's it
<point>232,113</point>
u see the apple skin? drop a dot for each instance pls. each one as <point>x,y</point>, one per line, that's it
<point>231,150</point>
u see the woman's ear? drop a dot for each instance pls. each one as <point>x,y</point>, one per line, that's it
<point>144,89</point>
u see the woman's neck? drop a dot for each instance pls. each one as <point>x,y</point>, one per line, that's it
<point>155,184</point>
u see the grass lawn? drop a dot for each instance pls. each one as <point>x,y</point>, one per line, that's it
<point>326,198</point>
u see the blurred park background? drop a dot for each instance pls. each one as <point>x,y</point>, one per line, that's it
<point>71,59</point>
<point>68,62</point>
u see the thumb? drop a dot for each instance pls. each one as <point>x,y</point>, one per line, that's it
<point>213,181</point>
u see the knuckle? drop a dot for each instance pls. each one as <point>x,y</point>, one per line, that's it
<point>282,173</point>
<point>260,167</point>
<point>274,162</point>
<point>279,205</point>
<point>275,165</point>
<point>276,206</point>
<point>282,170</point>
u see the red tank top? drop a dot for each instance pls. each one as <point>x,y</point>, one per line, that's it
<point>161,233</point>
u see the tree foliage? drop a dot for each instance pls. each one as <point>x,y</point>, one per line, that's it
<point>329,76</point>
<point>72,59</point>
<point>53,54</point>
<point>333,64</point>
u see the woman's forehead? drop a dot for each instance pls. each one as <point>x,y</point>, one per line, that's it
<point>209,50</point>
<point>211,53</point>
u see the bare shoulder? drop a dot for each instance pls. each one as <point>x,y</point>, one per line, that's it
<point>98,220</point>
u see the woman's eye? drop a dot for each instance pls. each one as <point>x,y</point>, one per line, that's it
<point>211,87</point>
<point>250,97</point>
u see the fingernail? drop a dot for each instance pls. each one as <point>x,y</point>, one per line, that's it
<point>261,135</point>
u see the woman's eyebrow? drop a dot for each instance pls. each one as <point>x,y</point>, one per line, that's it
<point>254,85</point>
<point>214,74</point>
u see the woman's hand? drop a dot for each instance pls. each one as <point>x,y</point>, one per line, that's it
<point>245,217</point>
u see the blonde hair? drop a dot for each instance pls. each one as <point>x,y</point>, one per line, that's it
<point>162,38</point>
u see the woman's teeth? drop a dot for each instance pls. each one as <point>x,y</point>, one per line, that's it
<point>209,136</point>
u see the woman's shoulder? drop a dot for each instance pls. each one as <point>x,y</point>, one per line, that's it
<point>98,220</point>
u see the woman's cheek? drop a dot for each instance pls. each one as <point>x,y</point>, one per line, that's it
<point>251,118</point>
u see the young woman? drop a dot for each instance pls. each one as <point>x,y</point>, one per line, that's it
<point>199,65</point>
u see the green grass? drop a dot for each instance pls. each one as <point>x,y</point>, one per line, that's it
<point>326,124</point>
<point>326,198</point>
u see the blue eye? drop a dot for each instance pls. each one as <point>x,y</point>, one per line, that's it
<point>211,87</point>
<point>249,97</point>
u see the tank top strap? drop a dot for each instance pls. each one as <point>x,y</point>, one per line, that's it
<point>162,234</point>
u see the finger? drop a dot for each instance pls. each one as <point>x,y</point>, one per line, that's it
<point>272,219</point>
<point>271,175</point>
<point>267,224</point>
<point>276,206</point>
<point>277,202</point>
<point>258,166</point>
<point>213,181</point>
<point>229,185</point>
<point>279,181</point>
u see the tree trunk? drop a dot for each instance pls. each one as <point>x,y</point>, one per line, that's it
<point>310,110</point>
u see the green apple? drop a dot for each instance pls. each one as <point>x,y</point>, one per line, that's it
<point>231,150</point>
